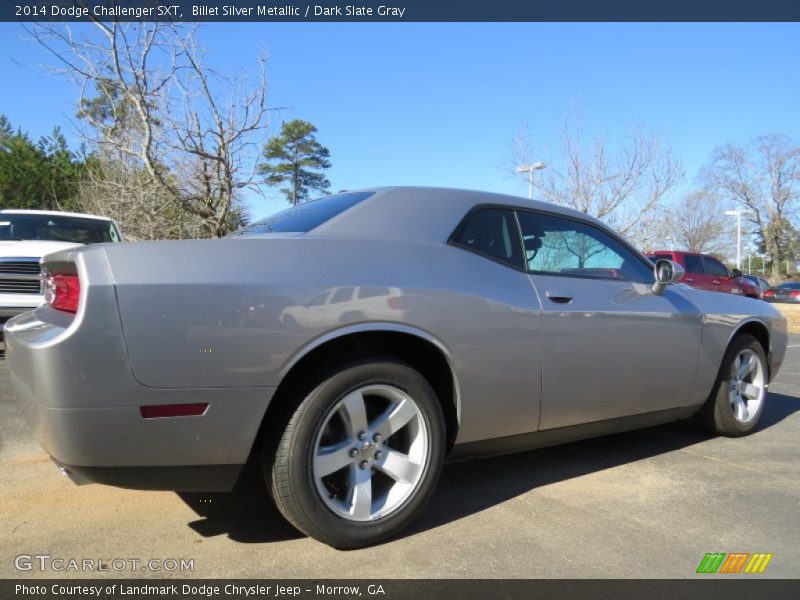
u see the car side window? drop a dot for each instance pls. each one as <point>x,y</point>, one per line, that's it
<point>714,267</point>
<point>343,294</point>
<point>560,246</point>
<point>372,292</point>
<point>319,299</point>
<point>693,264</point>
<point>493,233</point>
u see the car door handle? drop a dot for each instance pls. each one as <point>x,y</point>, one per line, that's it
<point>716,282</point>
<point>559,297</point>
<point>689,280</point>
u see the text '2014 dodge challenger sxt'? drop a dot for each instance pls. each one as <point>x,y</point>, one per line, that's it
<point>354,342</point>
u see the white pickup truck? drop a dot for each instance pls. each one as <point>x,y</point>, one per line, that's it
<point>28,235</point>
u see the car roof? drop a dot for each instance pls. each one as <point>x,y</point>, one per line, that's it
<point>55,213</point>
<point>684,252</point>
<point>442,209</point>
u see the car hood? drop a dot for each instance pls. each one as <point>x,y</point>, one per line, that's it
<point>32,248</point>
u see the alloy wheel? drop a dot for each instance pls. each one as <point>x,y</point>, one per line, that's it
<point>371,452</point>
<point>747,385</point>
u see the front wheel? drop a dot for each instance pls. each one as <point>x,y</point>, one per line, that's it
<point>736,406</point>
<point>361,454</point>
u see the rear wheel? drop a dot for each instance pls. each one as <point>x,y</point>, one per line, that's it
<point>736,406</point>
<point>361,454</point>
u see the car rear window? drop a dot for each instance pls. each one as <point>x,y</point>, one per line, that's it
<point>306,216</point>
<point>55,227</point>
<point>655,257</point>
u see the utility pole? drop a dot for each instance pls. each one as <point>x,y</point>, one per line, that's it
<point>738,214</point>
<point>529,169</point>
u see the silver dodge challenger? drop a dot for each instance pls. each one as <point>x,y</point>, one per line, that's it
<point>352,344</point>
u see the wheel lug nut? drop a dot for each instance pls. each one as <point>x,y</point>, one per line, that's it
<point>353,452</point>
<point>378,455</point>
<point>364,464</point>
<point>377,438</point>
<point>362,435</point>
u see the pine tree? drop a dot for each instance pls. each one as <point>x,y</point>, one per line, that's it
<point>296,160</point>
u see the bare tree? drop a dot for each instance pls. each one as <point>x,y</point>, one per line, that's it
<point>147,96</point>
<point>763,177</point>
<point>622,184</point>
<point>697,223</point>
<point>127,194</point>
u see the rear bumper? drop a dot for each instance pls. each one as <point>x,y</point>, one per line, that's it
<point>74,385</point>
<point>196,478</point>
<point>117,446</point>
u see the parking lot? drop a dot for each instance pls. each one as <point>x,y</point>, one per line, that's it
<point>646,504</point>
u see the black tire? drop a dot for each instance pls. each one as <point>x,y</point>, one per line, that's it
<point>717,414</point>
<point>289,467</point>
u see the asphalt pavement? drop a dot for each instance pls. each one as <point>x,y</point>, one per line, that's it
<point>647,504</point>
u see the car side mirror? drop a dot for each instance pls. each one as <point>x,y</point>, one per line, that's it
<point>736,273</point>
<point>666,272</point>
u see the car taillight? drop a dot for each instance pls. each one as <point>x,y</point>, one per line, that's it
<point>62,292</point>
<point>795,293</point>
<point>769,293</point>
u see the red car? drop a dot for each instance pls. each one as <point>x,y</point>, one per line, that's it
<point>707,273</point>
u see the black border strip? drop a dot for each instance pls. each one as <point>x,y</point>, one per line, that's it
<point>406,10</point>
<point>704,587</point>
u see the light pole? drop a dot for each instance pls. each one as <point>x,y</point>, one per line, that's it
<point>529,169</point>
<point>738,214</point>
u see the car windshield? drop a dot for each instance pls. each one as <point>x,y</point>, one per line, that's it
<point>57,228</point>
<point>304,217</point>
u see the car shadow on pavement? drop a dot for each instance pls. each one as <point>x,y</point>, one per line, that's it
<point>472,486</point>
<point>777,408</point>
<point>247,514</point>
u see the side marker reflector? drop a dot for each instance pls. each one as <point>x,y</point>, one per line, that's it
<point>174,410</point>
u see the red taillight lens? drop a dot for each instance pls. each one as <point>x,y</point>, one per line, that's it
<point>769,293</point>
<point>174,410</point>
<point>794,294</point>
<point>63,292</point>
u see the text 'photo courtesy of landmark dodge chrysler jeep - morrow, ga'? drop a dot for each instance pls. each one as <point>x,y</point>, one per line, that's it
<point>353,343</point>
<point>28,235</point>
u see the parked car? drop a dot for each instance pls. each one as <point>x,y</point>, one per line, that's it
<point>345,304</point>
<point>707,273</point>
<point>785,292</point>
<point>28,235</point>
<point>761,283</point>
<point>502,324</point>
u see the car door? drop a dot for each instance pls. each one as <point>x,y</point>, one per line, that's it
<point>695,273</point>
<point>611,347</point>
<point>720,276</point>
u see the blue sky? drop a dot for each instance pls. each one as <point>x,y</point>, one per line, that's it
<point>438,104</point>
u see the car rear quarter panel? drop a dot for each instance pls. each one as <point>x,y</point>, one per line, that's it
<point>74,384</point>
<point>234,313</point>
